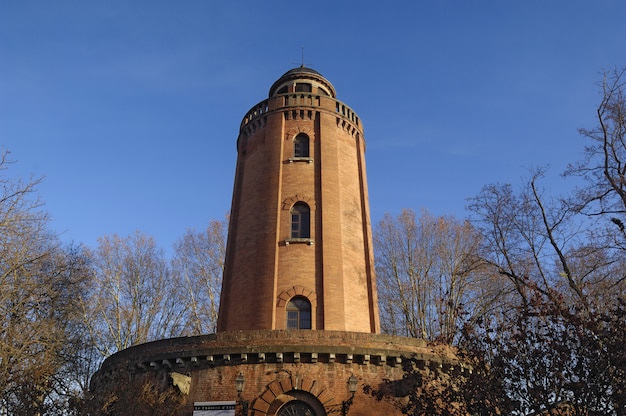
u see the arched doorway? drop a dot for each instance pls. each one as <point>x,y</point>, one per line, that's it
<point>296,403</point>
<point>296,408</point>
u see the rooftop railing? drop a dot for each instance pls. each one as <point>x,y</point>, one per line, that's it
<point>299,100</point>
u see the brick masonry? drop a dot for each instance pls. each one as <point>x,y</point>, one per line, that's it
<point>265,268</point>
<point>280,366</point>
<point>335,265</point>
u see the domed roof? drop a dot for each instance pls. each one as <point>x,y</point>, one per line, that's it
<point>301,69</point>
<point>301,73</point>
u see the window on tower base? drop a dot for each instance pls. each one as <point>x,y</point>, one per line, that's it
<point>299,313</point>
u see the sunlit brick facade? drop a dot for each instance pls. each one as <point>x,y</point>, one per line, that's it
<point>298,324</point>
<point>267,263</point>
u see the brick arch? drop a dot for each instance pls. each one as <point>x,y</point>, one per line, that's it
<point>291,134</point>
<point>285,389</point>
<point>296,290</point>
<point>289,202</point>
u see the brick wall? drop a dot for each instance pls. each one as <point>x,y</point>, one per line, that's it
<point>264,269</point>
<point>336,264</point>
<point>278,366</point>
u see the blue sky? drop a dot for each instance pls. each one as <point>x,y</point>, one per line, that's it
<point>130,109</point>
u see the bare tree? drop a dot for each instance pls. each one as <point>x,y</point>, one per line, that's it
<point>199,265</point>
<point>39,285</point>
<point>549,341</point>
<point>553,345</point>
<point>537,243</point>
<point>140,395</point>
<point>603,195</point>
<point>427,275</point>
<point>134,298</point>
<point>604,165</point>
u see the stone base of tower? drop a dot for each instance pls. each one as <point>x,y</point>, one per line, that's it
<point>283,372</point>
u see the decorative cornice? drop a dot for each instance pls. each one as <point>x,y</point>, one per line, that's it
<point>279,346</point>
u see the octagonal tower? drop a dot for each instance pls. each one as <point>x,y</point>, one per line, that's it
<point>299,253</point>
<point>298,328</point>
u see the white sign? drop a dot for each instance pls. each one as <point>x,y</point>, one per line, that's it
<point>214,408</point>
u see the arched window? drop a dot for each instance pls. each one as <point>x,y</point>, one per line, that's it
<point>300,221</point>
<point>299,313</point>
<point>301,146</point>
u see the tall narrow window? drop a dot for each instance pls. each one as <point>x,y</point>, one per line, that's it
<point>300,221</point>
<point>301,146</point>
<point>299,313</point>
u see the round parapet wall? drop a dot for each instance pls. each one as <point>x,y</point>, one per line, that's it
<point>226,348</point>
<point>282,368</point>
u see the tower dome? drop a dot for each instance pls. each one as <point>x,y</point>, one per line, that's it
<point>302,79</point>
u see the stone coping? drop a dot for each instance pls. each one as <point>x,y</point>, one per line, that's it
<point>254,346</point>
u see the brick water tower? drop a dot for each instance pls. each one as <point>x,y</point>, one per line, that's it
<point>299,252</point>
<point>298,327</point>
